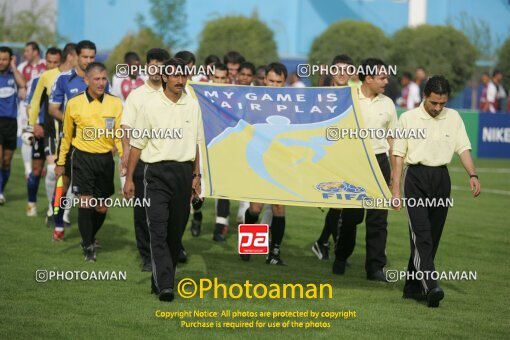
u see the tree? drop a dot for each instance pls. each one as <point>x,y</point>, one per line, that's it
<point>248,36</point>
<point>169,18</point>
<point>141,42</point>
<point>359,40</point>
<point>440,49</point>
<point>504,62</point>
<point>27,25</point>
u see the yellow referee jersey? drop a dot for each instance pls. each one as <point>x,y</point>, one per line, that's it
<point>91,125</point>
<point>45,84</point>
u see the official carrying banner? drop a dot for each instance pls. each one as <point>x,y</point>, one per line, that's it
<point>281,146</point>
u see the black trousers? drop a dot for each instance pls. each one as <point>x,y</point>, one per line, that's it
<point>140,217</point>
<point>168,187</point>
<point>376,223</point>
<point>425,223</point>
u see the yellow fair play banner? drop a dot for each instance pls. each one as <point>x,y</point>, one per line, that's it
<point>284,146</point>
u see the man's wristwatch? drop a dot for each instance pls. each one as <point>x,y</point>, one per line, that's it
<point>471,176</point>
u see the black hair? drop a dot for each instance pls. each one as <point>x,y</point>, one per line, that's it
<point>186,56</point>
<point>369,66</point>
<point>496,72</point>
<point>130,57</point>
<point>247,65</point>
<point>438,85</point>
<point>35,46</point>
<point>68,49</point>
<point>220,67</point>
<point>85,45</point>
<point>178,64</point>
<point>212,59</point>
<point>95,65</point>
<point>54,50</point>
<point>407,75</point>
<point>233,57</point>
<point>5,49</point>
<point>342,59</point>
<point>261,67</point>
<point>277,68</point>
<point>158,54</point>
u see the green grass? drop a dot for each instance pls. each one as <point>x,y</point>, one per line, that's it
<point>476,238</point>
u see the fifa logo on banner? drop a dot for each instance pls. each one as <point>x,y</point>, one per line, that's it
<point>253,239</point>
<point>341,191</point>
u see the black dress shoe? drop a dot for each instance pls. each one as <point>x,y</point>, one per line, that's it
<point>245,257</point>
<point>434,296</point>
<point>166,294</point>
<point>418,296</point>
<point>183,257</point>
<point>377,276</point>
<point>339,267</point>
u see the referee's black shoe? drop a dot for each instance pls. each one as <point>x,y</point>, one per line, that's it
<point>339,267</point>
<point>434,296</point>
<point>377,276</point>
<point>196,227</point>
<point>90,253</point>
<point>183,257</point>
<point>418,296</point>
<point>166,294</point>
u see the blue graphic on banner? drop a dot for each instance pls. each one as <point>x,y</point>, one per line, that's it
<point>494,135</point>
<point>231,104</point>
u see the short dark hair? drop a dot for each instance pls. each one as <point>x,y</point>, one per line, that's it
<point>68,49</point>
<point>368,65</point>
<point>261,67</point>
<point>496,72</point>
<point>220,67</point>
<point>85,45</point>
<point>342,59</point>
<point>158,54</point>
<point>212,59</point>
<point>54,50</point>
<point>34,45</point>
<point>438,85</point>
<point>277,68</point>
<point>233,57</point>
<point>186,56</point>
<point>5,49</point>
<point>407,75</point>
<point>177,63</point>
<point>131,56</point>
<point>95,65</point>
<point>247,65</point>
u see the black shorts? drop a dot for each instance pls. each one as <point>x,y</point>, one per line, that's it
<point>38,149</point>
<point>8,133</point>
<point>50,146</point>
<point>92,173</point>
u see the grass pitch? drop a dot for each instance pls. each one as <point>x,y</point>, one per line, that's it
<point>475,238</point>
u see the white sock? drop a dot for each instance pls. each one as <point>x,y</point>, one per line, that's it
<point>26,154</point>
<point>122,182</point>
<point>243,206</point>
<point>50,181</point>
<point>71,196</point>
<point>268,214</point>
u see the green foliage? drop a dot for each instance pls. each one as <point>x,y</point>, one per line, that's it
<point>141,42</point>
<point>169,17</point>
<point>440,49</point>
<point>359,40</point>
<point>32,24</point>
<point>248,36</point>
<point>504,62</point>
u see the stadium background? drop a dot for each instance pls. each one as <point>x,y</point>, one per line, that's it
<point>476,236</point>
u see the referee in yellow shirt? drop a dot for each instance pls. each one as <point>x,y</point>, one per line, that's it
<point>378,112</point>
<point>87,118</point>
<point>171,170</point>
<point>426,177</point>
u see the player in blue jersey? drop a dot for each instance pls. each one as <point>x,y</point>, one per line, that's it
<point>10,81</point>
